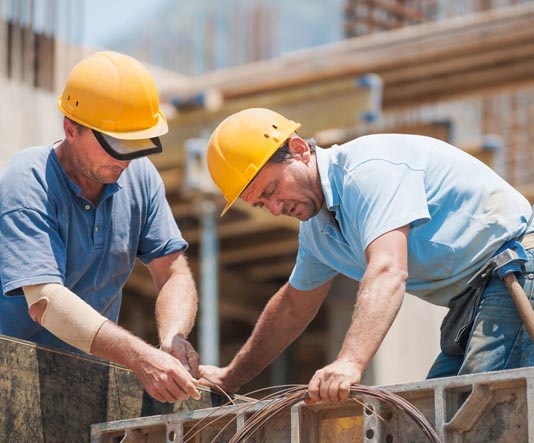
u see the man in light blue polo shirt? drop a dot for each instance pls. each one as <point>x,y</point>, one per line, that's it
<point>398,213</point>
<point>74,217</point>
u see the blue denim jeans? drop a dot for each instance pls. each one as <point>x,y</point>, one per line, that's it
<point>498,339</point>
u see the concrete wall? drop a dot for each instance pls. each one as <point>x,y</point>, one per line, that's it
<point>28,117</point>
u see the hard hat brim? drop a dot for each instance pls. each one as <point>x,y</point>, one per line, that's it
<point>122,149</point>
<point>160,128</point>
<point>229,204</point>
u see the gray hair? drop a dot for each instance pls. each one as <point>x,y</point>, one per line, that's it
<point>283,154</point>
<point>79,127</point>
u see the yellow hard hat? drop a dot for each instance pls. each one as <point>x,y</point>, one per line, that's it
<point>115,95</point>
<point>241,145</point>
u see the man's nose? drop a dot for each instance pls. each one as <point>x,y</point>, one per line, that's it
<point>275,206</point>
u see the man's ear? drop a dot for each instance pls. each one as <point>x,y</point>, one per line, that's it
<point>299,148</point>
<point>69,128</point>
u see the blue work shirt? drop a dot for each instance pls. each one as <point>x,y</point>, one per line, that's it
<point>459,212</point>
<point>50,233</point>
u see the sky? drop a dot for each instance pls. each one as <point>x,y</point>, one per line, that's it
<point>104,19</point>
<point>174,33</point>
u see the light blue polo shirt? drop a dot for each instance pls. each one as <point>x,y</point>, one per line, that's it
<point>49,233</point>
<point>459,211</point>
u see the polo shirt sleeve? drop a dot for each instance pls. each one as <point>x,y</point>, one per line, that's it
<point>380,196</point>
<point>29,242</point>
<point>160,234</point>
<point>309,272</point>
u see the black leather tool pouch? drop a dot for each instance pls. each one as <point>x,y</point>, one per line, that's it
<point>457,324</point>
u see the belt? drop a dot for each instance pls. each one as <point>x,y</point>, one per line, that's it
<point>528,241</point>
<point>482,274</point>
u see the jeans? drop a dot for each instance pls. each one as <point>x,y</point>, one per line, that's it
<point>498,339</point>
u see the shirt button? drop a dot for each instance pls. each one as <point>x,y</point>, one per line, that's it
<point>530,276</point>
<point>87,207</point>
<point>96,228</point>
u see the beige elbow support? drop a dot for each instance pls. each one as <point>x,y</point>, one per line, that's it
<point>66,315</point>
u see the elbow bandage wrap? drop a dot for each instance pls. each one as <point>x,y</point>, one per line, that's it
<point>66,315</point>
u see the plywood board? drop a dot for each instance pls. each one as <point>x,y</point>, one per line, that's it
<point>50,396</point>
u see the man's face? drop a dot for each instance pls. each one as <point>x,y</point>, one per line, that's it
<point>94,163</point>
<point>290,188</point>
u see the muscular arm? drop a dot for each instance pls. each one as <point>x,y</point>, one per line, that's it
<point>162,375</point>
<point>379,299</point>
<point>73,320</point>
<point>176,306</point>
<point>284,318</point>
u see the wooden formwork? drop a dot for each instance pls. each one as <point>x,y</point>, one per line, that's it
<point>493,407</point>
<point>47,396</point>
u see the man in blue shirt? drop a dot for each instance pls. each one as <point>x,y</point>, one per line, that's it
<point>398,213</point>
<point>75,215</point>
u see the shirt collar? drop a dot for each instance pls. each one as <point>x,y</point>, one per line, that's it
<point>109,189</point>
<point>325,160</point>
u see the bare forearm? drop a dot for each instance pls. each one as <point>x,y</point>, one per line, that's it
<point>263,346</point>
<point>161,375</point>
<point>283,319</point>
<point>116,344</point>
<point>378,302</point>
<point>176,307</point>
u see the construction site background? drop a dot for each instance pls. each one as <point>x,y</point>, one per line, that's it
<point>493,120</point>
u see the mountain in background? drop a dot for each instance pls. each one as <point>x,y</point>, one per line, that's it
<point>195,37</point>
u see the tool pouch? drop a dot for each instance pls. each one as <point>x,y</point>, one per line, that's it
<point>457,324</point>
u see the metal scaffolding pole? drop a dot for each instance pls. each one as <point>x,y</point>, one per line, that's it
<point>198,181</point>
<point>209,313</point>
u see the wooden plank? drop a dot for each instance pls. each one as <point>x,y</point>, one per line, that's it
<point>51,396</point>
<point>464,62</point>
<point>401,11</point>
<point>243,227</point>
<point>438,129</point>
<point>464,83</point>
<point>344,98</point>
<point>266,272</point>
<point>255,251</point>
<point>376,52</point>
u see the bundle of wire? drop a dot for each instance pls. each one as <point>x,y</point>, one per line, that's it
<point>289,395</point>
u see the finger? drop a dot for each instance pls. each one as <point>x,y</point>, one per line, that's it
<point>324,390</point>
<point>207,382</point>
<point>313,390</point>
<point>159,394</point>
<point>182,358</point>
<point>210,373</point>
<point>332,392</point>
<point>344,390</point>
<point>176,392</point>
<point>194,362</point>
<point>185,382</point>
<point>168,397</point>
